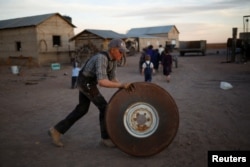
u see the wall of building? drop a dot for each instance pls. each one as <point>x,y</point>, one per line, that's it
<point>37,42</point>
<point>171,38</point>
<point>98,43</point>
<point>10,37</point>
<point>88,44</point>
<point>145,42</point>
<point>49,53</point>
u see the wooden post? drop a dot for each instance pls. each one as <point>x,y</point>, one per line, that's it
<point>234,44</point>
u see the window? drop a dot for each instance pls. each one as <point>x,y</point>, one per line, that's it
<point>56,40</point>
<point>18,46</point>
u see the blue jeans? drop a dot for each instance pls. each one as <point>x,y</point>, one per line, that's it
<point>82,108</point>
<point>147,77</point>
<point>73,82</point>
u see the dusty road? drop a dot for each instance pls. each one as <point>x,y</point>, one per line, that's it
<point>210,118</point>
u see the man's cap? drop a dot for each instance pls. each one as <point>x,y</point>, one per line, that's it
<point>118,43</point>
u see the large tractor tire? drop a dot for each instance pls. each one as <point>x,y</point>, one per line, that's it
<point>143,122</point>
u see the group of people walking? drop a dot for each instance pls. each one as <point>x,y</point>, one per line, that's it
<point>151,59</point>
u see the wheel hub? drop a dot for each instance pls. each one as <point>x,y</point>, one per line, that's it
<point>141,120</point>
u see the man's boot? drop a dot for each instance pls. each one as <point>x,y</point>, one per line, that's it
<point>55,137</point>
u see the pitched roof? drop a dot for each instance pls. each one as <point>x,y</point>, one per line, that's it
<point>141,36</point>
<point>150,30</point>
<point>105,34</point>
<point>28,21</point>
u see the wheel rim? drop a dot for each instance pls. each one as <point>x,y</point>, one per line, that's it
<point>141,120</point>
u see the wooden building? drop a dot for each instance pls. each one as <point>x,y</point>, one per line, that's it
<point>98,38</point>
<point>159,35</point>
<point>43,39</point>
<point>91,41</point>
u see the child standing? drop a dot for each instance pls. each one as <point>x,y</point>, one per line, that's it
<point>75,73</point>
<point>147,69</point>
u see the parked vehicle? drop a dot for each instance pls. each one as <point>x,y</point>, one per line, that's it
<point>192,46</point>
<point>132,46</point>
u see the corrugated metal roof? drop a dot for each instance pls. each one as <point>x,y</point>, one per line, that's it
<point>27,21</point>
<point>106,34</point>
<point>140,36</point>
<point>150,30</point>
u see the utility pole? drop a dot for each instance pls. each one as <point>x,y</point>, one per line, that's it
<point>234,44</point>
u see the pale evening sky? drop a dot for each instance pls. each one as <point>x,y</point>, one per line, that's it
<point>211,20</point>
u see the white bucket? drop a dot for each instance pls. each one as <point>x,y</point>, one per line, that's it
<point>14,69</point>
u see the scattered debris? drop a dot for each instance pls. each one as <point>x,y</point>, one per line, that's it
<point>225,85</point>
<point>31,83</point>
<point>43,75</point>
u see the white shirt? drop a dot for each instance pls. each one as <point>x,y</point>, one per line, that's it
<point>160,50</point>
<point>144,64</point>
<point>75,72</point>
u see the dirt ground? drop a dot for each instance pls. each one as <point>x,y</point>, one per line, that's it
<point>210,118</point>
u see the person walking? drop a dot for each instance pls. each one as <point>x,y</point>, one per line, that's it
<point>166,63</point>
<point>147,69</point>
<point>100,70</point>
<point>75,73</point>
<point>150,50</point>
<point>155,59</point>
<point>142,58</point>
<point>160,49</point>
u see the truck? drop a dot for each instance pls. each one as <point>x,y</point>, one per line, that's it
<point>192,47</point>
